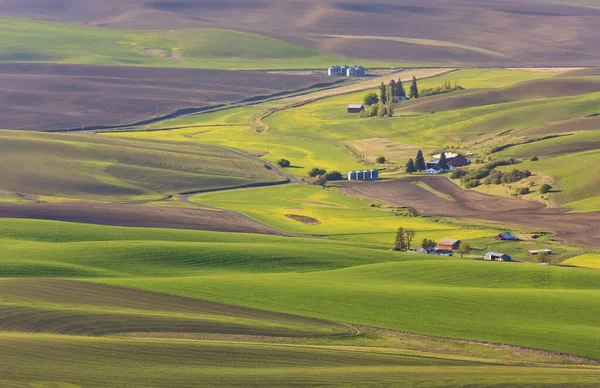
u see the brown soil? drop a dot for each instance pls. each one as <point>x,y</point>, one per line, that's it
<point>303,219</point>
<point>525,32</point>
<point>163,53</point>
<point>136,216</point>
<point>89,96</point>
<point>575,228</point>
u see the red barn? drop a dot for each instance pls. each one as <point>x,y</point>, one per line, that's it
<point>449,244</point>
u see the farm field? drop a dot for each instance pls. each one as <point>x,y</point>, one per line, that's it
<point>590,260</point>
<point>312,210</point>
<point>96,96</point>
<point>85,166</point>
<point>388,289</point>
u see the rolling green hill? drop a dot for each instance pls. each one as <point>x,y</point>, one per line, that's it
<point>92,167</point>
<point>36,41</point>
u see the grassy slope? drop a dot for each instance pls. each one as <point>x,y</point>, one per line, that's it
<point>547,307</point>
<point>591,261</point>
<point>28,40</point>
<point>93,167</point>
<point>341,217</point>
<point>149,363</point>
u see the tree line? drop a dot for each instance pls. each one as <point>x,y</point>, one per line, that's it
<point>382,105</point>
<point>418,164</point>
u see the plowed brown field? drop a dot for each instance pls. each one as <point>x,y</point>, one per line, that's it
<point>576,228</point>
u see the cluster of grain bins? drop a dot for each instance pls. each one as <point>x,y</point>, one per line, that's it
<point>347,71</point>
<point>366,175</point>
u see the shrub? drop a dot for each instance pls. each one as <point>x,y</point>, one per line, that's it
<point>459,173</point>
<point>522,191</point>
<point>334,176</point>
<point>320,180</point>
<point>381,160</point>
<point>315,171</point>
<point>535,159</point>
<point>283,163</point>
<point>545,188</point>
<point>472,183</point>
<point>371,99</point>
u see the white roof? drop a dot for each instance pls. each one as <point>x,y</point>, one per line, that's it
<point>358,106</point>
<point>449,155</point>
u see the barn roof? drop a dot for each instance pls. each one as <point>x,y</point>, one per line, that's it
<point>448,241</point>
<point>496,254</point>
<point>507,235</point>
<point>355,106</point>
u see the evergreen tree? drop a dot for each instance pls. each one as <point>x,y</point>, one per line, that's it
<point>390,101</point>
<point>400,243</point>
<point>400,92</point>
<point>382,93</point>
<point>393,86</point>
<point>443,164</point>
<point>414,89</point>
<point>420,161</point>
<point>410,166</point>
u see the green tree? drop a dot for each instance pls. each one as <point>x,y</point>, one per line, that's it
<point>428,244</point>
<point>420,161</point>
<point>400,242</point>
<point>464,249</point>
<point>400,92</point>
<point>409,235</point>
<point>382,93</point>
<point>315,171</point>
<point>392,85</point>
<point>545,188</point>
<point>334,176</point>
<point>283,163</point>
<point>381,159</point>
<point>381,108</point>
<point>443,164</point>
<point>410,166</point>
<point>390,101</point>
<point>542,257</point>
<point>371,99</point>
<point>414,89</point>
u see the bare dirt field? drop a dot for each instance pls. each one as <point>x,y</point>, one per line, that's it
<point>510,32</point>
<point>57,97</point>
<point>136,216</point>
<point>446,199</point>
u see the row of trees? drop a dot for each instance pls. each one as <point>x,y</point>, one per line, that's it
<point>330,176</point>
<point>418,164</point>
<point>382,105</point>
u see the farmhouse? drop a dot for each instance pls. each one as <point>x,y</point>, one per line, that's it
<point>355,108</point>
<point>495,256</point>
<point>448,243</point>
<point>506,236</point>
<point>434,168</point>
<point>534,252</point>
<point>454,160</point>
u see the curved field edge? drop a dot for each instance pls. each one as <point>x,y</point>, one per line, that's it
<point>542,307</point>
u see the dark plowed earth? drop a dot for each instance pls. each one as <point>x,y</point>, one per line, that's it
<point>95,96</point>
<point>576,228</point>
<point>71,307</point>
<point>136,216</point>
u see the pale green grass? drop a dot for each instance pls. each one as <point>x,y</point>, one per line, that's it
<point>96,167</point>
<point>577,176</point>
<point>591,260</point>
<point>340,216</point>
<point>562,145</point>
<point>29,40</point>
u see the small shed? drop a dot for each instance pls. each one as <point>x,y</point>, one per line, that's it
<point>448,243</point>
<point>534,252</point>
<point>355,108</point>
<point>495,256</point>
<point>506,236</point>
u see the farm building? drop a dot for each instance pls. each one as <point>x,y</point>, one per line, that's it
<point>334,71</point>
<point>434,168</point>
<point>495,256</point>
<point>505,237</point>
<point>443,252</point>
<point>347,71</point>
<point>355,108</point>
<point>448,243</point>
<point>366,175</point>
<point>534,252</point>
<point>454,160</point>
